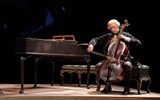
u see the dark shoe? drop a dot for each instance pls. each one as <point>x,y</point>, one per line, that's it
<point>126,91</point>
<point>106,90</point>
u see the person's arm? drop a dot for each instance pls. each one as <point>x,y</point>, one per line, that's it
<point>125,38</point>
<point>131,39</point>
<point>92,43</point>
<point>95,41</point>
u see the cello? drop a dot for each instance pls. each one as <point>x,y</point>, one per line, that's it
<point>111,70</point>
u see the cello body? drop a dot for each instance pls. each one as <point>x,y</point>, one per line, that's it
<point>111,70</point>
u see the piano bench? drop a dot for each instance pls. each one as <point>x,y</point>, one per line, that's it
<point>140,73</point>
<point>77,69</point>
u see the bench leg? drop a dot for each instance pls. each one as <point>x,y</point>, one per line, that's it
<point>139,84</point>
<point>62,78</point>
<point>71,78</point>
<point>79,78</point>
<point>148,84</point>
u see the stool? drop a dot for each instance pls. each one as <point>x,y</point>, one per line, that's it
<point>140,73</point>
<point>78,69</point>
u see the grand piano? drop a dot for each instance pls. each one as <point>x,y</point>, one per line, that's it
<point>56,51</point>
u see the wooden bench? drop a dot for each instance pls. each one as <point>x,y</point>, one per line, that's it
<point>78,69</point>
<point>140,73</point>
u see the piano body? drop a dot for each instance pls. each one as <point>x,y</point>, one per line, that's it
<point>57,51</point>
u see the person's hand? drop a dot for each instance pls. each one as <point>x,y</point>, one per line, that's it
<point>121,36</point>
<point>90,48</point>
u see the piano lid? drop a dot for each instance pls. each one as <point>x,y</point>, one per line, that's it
<point>49,47</point>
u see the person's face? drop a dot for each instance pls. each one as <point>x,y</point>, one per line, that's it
<point>113,27</point>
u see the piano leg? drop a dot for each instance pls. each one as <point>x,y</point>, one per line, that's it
<point>35,71</point>
<point>36,68</point>
<point>88,73</point>
<point>53,70</point>
<point>22,60</point>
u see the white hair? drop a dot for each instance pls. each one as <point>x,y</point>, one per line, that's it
<point>114,21</point>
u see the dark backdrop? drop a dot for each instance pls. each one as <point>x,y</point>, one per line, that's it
<point>84,19</point>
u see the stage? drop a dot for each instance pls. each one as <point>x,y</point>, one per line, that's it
<point>69,92</point>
